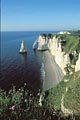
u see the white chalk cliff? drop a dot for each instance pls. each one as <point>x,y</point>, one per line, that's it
<point>42,43</point>
<point>23,47</point>
<point>54,46</point>
<point>77,67</point>
<point>61,58</point>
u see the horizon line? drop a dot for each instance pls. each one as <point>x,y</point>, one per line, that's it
<point>38,30</point>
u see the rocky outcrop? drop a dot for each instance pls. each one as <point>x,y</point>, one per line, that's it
<point>77,67</point>
<point>42,43</point>
<point>23,48</point>
<point>61,58</point>
<point>55,47</point>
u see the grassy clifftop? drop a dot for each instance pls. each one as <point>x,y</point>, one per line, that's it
<point>72,42</point>
<point>72,96</point>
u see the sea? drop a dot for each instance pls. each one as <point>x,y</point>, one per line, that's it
<point>17,69</point>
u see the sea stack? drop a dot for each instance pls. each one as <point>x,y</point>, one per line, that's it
<point>23,48</point>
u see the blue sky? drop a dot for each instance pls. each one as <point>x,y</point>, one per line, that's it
<point>24,15</point>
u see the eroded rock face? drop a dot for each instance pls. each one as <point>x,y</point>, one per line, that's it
<point>56,50</point>
<point>42,43</point>
<point>54,46</point>
<point>23,48</point>
<point>77,67</point>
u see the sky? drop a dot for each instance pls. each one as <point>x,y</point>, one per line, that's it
<point>40,15</point>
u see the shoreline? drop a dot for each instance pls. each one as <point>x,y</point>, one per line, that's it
<point>53,73</point>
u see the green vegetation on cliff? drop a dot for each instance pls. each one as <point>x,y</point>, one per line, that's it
<point>72,42</point>
<point>21,104</point>
<point>72,96</point>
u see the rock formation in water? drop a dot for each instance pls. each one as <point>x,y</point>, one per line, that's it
<point>23,48</point>
<point>42,43</point>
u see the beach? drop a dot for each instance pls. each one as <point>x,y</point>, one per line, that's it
<point>53,73</point>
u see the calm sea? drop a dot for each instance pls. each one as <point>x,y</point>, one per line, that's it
<point>18,69</point>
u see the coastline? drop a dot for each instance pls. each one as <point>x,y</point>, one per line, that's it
<point>53,73</point>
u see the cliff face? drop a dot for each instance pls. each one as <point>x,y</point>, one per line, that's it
<point>54,45</point>
<point>56,50</point>
<point>77,67</point>
<point>42,43</point>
